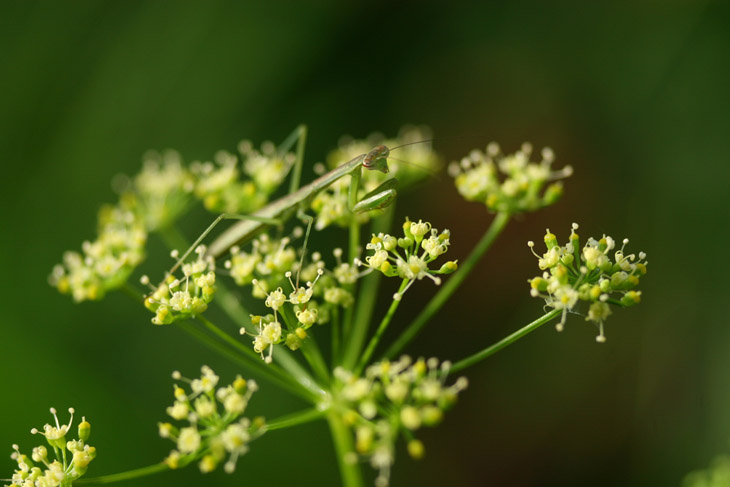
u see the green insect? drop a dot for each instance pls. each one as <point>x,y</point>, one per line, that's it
<point>282,209</point>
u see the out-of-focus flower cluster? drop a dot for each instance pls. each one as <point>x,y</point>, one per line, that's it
<point>716,475</point>
<point>408,257</point>
<point>267,263</point>
<point>220,186</point>
<point>60,469</point>
<point>105,263</point>
<point>573,274</point>
<point>509,183</point>
<point>395,398</point>
<point>153,199</point>
<point>302,307</point>
<point>161,192</point>
<point>414,159</point>
<point>177,299</point>
<point>216,428</point>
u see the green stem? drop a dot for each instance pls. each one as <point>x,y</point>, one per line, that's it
<point>354,224</point>
<point>344,449</point>
<point>295,419</point>
<point>248,351</point>
<point>491,350</point>
<point>381,329</point>
<point>366,300</point>
<point>231,305</point>
<point>309,348</point>
<point>335,324</point>
<point>451,285</point>
<point>265,370</point>
<point>128,475</point>
<point>297,172</point>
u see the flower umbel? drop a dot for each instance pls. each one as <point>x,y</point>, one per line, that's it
<point>572,275</point>
<point>178,299</point>
<point>509,183</point>
<point>393,399</point>
<point>216,428</point>
<point>60,469</point>
<point>219,185</point>
<point>269,327</point>
<point>408,257</point>
<point>107,262</point>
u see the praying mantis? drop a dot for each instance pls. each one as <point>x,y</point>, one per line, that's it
<point>280,210</point>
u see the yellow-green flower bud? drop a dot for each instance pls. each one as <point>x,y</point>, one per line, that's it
<point>550,239</point>
<point>449,267</point>
<point>631,298</point>
<point>416,449</point>
<point>84,429</point>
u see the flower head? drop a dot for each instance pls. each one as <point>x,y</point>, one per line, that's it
<point>215,422</point>
<point>219,185</point>
<point>106,263</point>
<point>597,274</point>
<point>509,183</point>
<point>409,257</point>
<point>395,399</point>
<point>61,469</point>
<point>175,298</point>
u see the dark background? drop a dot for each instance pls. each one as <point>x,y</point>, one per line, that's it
<point>633,95</point>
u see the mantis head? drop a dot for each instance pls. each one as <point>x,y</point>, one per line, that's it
<point>377,159</point>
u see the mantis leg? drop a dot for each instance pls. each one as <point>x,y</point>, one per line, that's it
<point>221,217</point>
<point>298,135</point>
<point>309,219</point>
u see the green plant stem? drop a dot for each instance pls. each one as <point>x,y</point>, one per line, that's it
<point>305,381</point>
<point>491,350</point>
<point>354,244</point>
<point>381,329</point>
<point>295,419</point>
<point>128,475</point>
<point>296,175</point>
<point>354,224</point>
<point>257,365</point>
<point>366,300</point>
<point>310,350</point>
<point>349,471</point>
<point>451,285</point>
<point>335,324</point>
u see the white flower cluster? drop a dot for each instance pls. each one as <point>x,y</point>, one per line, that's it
<point>219,185</point>
<point>509,183</point>
<point>415,159</point>
<point>41,471</point>
<point>183,298</point>
<point>395,398</point>
<point>269,326</point>
<point>105,263</point>
<point>267,263</point>
<point>216,427</point>
<point>272,261</point>
<point>572,275</point>
<point>408,257</point>
<point>161,191</point>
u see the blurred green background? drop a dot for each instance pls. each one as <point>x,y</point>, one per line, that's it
<point>634,96</point>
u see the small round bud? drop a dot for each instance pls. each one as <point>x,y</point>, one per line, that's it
<point>416,449</point>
